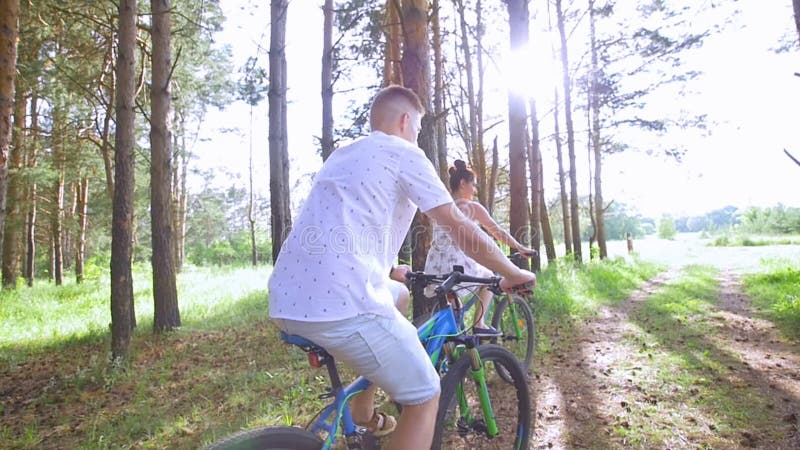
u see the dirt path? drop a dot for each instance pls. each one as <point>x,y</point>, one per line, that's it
<point>605,385</point>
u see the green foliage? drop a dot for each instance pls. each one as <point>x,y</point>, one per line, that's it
<point>233,251</point>
<point>778,292</point>
<point>666,227</point>
<point>775,220</point>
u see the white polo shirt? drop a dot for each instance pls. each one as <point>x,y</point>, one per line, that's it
<point>335,262</point>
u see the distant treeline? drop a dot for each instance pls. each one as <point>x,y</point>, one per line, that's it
<point>778,219</point>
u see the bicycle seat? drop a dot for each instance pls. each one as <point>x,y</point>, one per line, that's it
<point>301,342</point>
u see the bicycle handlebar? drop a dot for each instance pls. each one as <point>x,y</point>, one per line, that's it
<point>448,281</point>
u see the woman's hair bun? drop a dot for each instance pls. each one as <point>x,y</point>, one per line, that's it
<point>460,165</point>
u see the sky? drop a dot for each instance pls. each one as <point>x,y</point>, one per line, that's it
<point>749,92</point>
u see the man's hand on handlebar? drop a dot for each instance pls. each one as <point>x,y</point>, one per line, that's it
<point>522,282</point>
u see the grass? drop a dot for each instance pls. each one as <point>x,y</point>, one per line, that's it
<point>752,241</point>
<point>567,292</point>
<point>777,292</point>
<point>688,391</point>
<point>223,371</point>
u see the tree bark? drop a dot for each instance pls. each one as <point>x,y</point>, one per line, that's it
<point>796,5</point>
<point>475,148</point>
<point>517,116</point>
<point>9,32</point>
<point>58,198</point>
<point>30,222</point>
<point>547,232</point>
<point>122,311</point>
<point>537,191</point>
<point>573,179</point>
<point>278,139</point>
<point>327,81</point>
<point>439,114</point>
<point>251,213</point>
<point>600,224</point>
<point>83,210</point>
<point>165,293</point>
<point>417,77</point>
<point>392,69</point>
<point>12,237</point>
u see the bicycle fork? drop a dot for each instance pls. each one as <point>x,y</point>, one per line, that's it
<point>478,375</point>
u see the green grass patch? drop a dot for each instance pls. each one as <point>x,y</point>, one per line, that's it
<point>690,391</point>
<point>223,371</point>
<point>48,317</point>
<point>567,291</point>
<point>777,292</point>
<point>752,241</point>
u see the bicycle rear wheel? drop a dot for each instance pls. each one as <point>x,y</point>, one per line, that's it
<point>269,438</point>
<point>461,421</point>
<point>520,340</point>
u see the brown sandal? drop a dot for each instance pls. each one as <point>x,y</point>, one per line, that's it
<point>381,424</point>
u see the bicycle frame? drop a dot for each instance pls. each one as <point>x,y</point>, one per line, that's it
<point>433,335</point>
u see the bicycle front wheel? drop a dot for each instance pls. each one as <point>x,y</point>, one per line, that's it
<point>464,420</point>
<point>513,317</point>
<point>270,438</point>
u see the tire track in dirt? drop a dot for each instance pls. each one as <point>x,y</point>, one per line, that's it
<point>577,400</point>
<point>585,387</point>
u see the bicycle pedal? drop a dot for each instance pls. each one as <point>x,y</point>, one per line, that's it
<point>326,395</point>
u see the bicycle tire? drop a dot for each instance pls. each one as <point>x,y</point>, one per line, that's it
<point>269,438</point>
<point>525,346</point>
<point>513,417</point>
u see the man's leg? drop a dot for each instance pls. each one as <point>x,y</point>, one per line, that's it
<point>362,406</point>
<point>416,426</point>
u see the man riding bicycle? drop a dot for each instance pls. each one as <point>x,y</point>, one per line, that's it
<point>330,281</point>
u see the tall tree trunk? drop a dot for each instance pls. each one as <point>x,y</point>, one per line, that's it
<point>166,315</point>
<point>573,178</point>
<point>567,229</point>
<point>30,223</point>
<point>475,147</point>
<point>392,69</point>
<point>12,241</point>
<point>439,113</point>
<point>278,137</point>
<point>600,224</point>
<point>535,166</point>
<point>83,203</point>
<point>589,163</point>
<point>251,213</point>
<point>69,218</point>
<point>58,198</point>
<point>491,180</point>
<point>547,232</point>
<point>417,77</point>
<point>517,116</point>
<point>106,150</point>
<point>122,311</point>
<point>562,179</point>
<point>9,31</point>
<point>327,81</point>
<point>180,157</point>
<point>493,173</point>
<point>796,4</point>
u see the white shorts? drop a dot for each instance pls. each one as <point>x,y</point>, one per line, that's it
<point>385,350</point>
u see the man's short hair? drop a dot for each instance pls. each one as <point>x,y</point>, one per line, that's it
<point>392,94</point>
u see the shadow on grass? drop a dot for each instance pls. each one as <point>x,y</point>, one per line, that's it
<point>744,406</point>
<point>573,383</point>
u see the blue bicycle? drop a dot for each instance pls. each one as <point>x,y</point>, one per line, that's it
<point>477,408</point>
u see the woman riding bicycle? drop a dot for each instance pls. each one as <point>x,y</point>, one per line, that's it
<point>444,253</point>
